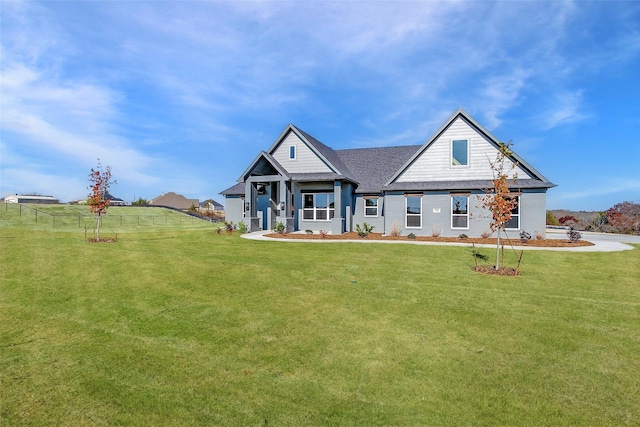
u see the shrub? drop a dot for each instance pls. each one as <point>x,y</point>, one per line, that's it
<point>574,235</point>
<point>395,229</point>
<point>486,234</point>
<point>539,236</point>
<point>364,230</point>
<point>463,236</point>
<point>229,226</point>
<point>243,227</point>
<point>551,219</point>
<point>411,236</point>
<point>524,236</point>
<point>323,233</point>
<point>308,231</point>
<point>435,231</point>
<point>280,228</point>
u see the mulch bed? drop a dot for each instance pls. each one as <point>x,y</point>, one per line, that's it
<point>544,243</point>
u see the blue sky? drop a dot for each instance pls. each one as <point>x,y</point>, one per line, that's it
<point>182,96</point>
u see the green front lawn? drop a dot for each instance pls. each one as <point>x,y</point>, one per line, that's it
<point>191,327</point>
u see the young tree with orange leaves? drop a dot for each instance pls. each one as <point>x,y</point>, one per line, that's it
<point>498,199</point>
<point>100,180</point>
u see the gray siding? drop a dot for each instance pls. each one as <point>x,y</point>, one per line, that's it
<point>306,160</point>
<point>360,218</point>
<point>434,164</point>
<point>234,206</point>
<point>436,215</point>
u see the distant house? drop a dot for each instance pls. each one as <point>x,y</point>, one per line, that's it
<point>427,189</point>
<point>26,198</point>
<point>115,201</point>
<point>173,200</point>
<point>211,205</point>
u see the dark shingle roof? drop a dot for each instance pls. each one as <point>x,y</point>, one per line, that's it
<point>329,154</point>
<point>471,184</point>
<point>372,167</point>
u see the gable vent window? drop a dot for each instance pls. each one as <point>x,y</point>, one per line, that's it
<point>292,151</point>
<point>460,152</point>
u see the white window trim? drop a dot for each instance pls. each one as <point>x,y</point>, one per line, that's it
<point>315,209</point>
<point>516,215</point>
<point>451,164</point>
<point>295,152</point>
<point>407,215</point>
<point>376,207</point>
<point>459,215</point>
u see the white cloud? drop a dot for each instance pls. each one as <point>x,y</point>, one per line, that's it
<point>566,108</point>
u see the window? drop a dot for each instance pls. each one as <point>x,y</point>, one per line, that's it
<point>318,206</point>
<point>414,210</point>
<point>370,206</point>
<point>514,222</point>
<point>460,212</point>
<point>460,152</point>
<point>292,151</point>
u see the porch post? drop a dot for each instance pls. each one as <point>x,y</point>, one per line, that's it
<point>284,200</point>
<point>251,214</point>
<point>337,223</point>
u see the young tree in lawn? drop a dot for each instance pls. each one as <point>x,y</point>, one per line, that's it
<point>498,199</point>
<point>100,179</point>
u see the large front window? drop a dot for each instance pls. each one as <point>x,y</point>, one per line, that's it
<point>318,206</point>
<point>460,212</point>
<point>414,210</point>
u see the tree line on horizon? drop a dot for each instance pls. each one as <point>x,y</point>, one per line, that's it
<point>622,218</point>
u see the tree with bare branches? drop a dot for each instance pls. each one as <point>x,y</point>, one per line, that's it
<point>498,199</point>
<point>100,179</point>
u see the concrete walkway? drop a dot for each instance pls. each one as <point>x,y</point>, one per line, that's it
<point>602,242</point>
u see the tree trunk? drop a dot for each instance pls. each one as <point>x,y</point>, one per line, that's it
<point>498,252</point>
<point>98,227</point>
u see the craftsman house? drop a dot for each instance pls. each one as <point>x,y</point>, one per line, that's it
<point>428,189</point>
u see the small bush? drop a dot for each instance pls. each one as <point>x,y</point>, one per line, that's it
<point>486,234</point>
<point>539,236</point>
<point>395,229</point>
<point>435,231</point>
<point>323,234</point>
<point>229,226</point>
<point>411,236</point>
<point>280,228</point>
<point>463,236</point>
<point>243,227</point>
<point>308,231</point>
<point>364,230</point>
<point>573,235</point>
<point>524,236</point>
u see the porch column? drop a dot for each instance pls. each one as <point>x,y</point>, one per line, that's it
<point>284,214</point>
<point>337,223</point>
<point>250,198</point>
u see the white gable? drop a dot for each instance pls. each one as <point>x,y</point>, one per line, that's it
<point>305,161</point>
<point>434,164</point>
